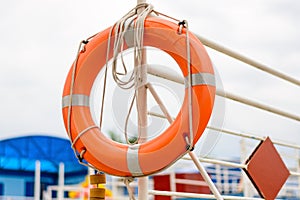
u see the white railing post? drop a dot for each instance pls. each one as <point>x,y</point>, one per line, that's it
<point>173,182</point>
<point>205,176</point>
<point>61,181</point>
<point>298,170</point>
<point>142,113</point>
<point>37,180</point>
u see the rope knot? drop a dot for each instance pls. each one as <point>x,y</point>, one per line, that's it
<point>127,181</point>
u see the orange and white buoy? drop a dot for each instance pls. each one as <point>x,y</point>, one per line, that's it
<point>155,155</point>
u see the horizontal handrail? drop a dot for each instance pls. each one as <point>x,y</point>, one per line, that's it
<point>169,75</point>
<point>194,195</point>
<point>230,132</point>
<point>247,60</point>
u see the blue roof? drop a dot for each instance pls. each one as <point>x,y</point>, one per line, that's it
<point>20,154</point>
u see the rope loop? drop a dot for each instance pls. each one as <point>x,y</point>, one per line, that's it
<point>132,21</point>
<point>184,23</point>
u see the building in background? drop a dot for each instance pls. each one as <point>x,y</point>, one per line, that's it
<point>18,158</point>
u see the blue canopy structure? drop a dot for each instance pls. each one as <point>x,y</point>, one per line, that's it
<point>19,155</point>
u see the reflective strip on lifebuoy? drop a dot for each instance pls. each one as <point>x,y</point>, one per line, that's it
<point>155,155</point>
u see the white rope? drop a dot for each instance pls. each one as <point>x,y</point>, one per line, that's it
<point>120,29</point>
<point>80,49</point>
<point>79,155</point>
<point>126,122</point>
<point>131,21</point>
<point>190,97</point>
<point>190,140</point>
<point>127,182</point>
<point>117,26</point>
<point>81,133</point>
<point>166,113</point>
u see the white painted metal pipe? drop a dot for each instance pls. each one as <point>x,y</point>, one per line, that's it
<point>252,136</point>
<point>220,162</point>
<point>165,74</point>
<point>190,182</point>
<point>247,60</point>
<point>258,105</point>
<point>160,103</point>
<point>142,117</point>
<point>181,194</point>
<point>231,164</point>
<point>37,180</point>
<point>194,195</point>
<point>176,78</point>
<point>61,181</point>
<point>245,135</point>
<point>294,173</point>
<point>205,176</point>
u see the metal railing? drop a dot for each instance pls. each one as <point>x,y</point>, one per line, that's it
<point>153,70</point>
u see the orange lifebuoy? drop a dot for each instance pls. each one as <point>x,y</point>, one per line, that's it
<point>155,155</point>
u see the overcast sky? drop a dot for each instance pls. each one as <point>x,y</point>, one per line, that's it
<point>39,40</point>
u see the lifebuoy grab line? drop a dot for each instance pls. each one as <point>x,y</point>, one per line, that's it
<point>155,155</point>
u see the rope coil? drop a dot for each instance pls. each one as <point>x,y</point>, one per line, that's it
<point>135,21</point>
